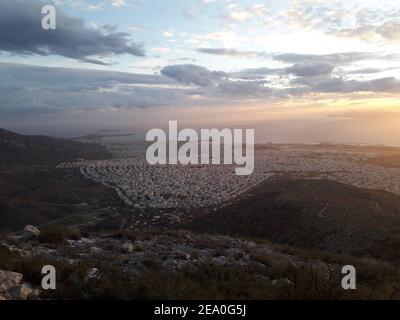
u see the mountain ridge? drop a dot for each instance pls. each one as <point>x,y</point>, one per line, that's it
<point>18,149</point>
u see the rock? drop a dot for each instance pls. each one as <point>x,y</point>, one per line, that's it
<point>179,254</point>
<point>81,242</point>
<point>127,247</point>
<point>124,259</point>
<point>9,279</point>
<point>86,241</point>
<point>259,264</point>
<point>96,250</point>
<point>263,278</point>
<point>237,254</point>
<point>282,282</point>
<point>173,264</point>
<point>35,295</point>
<point>12,289</point>
<point>22,292</point>
<point>219,261</point>
<point>246,257</point>
<point>92,274</point>
<point>30,232</point>
<point>139,245</point>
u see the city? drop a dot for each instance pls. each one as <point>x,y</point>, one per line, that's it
<point>187,187</point>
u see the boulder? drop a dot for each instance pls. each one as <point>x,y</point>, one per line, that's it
<point>92,275</point>
<point>219,261</point>
<point>12,288</point>
<point>282,283</point>
<point>22,292</point>
<point>182,255</point>
<point>96,250</point>
<point>127,247</point>
<point>139,245</point>
<point>9,279</point>
<point>30,232</point>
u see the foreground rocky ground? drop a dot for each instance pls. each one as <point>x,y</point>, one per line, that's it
<point>12,287</point>
<point>182,265</point>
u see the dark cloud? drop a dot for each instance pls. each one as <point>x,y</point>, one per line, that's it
<point>257,72</point>
<point>31,89</point>
<point>26,76</point>
<point>340,85</point>
<point>300,70</point>
<point>309,78</point>
<point>193,74</point>
<point>21,33</point>
<point>244,89</point>
<point>310,69</point>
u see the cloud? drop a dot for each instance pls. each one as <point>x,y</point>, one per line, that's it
<point>304,78</point>
<point>233,52</point>
<point>28,89</point>
<point>118,3</point>
<point>21,33</point>
<point>389,31</point>
<point>240,16</point>
<point>334,58</point>
<point>259,9</point>
<point>81,4</point>
<point>217,84</point>
<point>369,70</point>
<point>244,89</point>
<point>168,34</point>
<point>256,73</point>
<point>353,19</point>
<point>41,89</point>
<point>192,74</point>
<point>300,70</point>
<point>310,69</point>
<point>237,14</point>
<point>373,24</point>
<point>124,3</point>
<point>341,85</point>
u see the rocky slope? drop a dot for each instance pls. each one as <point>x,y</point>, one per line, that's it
<point>182,264</point>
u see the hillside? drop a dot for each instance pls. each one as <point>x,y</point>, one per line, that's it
<point>184,265</point>
<point>34,191</point>
<point>47,195</point>
<point>17,149</point>
<point>319,214</point>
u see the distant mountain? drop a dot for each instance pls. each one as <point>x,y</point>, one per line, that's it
<point>17,149</point>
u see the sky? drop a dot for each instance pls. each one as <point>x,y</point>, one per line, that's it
<point>294,70</point>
